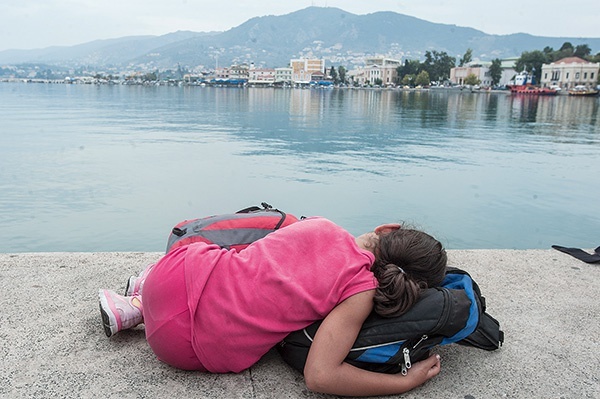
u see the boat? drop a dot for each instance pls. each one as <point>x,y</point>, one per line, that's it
<point>524,83</point>
<point>583,91</point>
<point>530,89</point>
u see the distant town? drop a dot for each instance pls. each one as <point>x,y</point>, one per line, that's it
<point>562,70</point>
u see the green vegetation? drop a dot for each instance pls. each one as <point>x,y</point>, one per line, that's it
<point>472,80</point>
<point>423,79</point>
<point>466,58</point>
<point>150,77</point>
<point>407,80</point>
<point>437,66</point>
<point>496,71</point>
<point>341,75</point>
<point>334,75</point>
<point>338,75</point>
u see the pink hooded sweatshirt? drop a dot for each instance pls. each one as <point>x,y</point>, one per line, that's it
<point>238,305</point>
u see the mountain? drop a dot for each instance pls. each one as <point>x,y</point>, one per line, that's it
<point>336,35</point>
<point>98,52</point>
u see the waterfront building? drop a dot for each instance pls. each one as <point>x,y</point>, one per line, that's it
<point>303,68</point>
<point>570,72</point>
<point>222,73</point>
<point>376,69</point>
<point>482,71</point>
<point>239,72</point>
<point>458,75</point>
<point>356,76</point>
<point>233,72</point>
<point>383,68</point>
<point>508,70</point>
<point>261,76</point>
<point>283,75</point>
<point>317,76</point>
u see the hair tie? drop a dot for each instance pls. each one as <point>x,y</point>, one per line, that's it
<point>401,269</point>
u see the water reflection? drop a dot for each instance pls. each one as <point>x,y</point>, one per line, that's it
<point>377,122</point>
<point>564,112</point>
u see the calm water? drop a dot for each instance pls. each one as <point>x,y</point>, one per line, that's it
<point>111,168</point>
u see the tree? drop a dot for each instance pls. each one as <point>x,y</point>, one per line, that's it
<point>496,71</point>
<point>423,79</point>
<point>333,74</point>
<point>472,80</point>
<point>566,50</point>
<point>582,50</point>
<point>151,76</point>
<point>438,64</point>
<point>467,57</point>
<point>410,67</point>
<point>342,74</point>
<point>567,46</point>
<point>408,80</point>
<point>532,61</point>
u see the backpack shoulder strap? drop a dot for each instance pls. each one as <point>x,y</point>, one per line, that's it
<point>487,336</point>
<point>265,207</point>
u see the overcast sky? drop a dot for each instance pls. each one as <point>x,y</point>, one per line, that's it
<point>28,24</point>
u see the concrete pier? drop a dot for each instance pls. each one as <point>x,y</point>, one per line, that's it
<point>52,343</point>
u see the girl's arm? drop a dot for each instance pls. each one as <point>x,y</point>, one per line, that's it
<point>325,370</point>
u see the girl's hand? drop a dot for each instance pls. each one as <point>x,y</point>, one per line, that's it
<point>425,369</point>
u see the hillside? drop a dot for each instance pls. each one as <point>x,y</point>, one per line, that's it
<point>336,35</point>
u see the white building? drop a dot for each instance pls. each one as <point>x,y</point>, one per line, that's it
<point>377,69</point>
<point>458,75</point>
<point>261,76</point>
<point>482,71</point>
<point>283,75</point>
<point>233,72</point>
<point>508,70</point>
<point>570,72</point>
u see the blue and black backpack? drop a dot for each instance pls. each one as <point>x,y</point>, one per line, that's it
<point>455,312</point>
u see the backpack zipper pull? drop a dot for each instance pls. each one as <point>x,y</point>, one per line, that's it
<point>423,338</point>
<point>407,364</point>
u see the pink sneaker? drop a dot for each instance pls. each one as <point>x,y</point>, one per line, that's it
<point>119,312</point>
<point>136,283</point>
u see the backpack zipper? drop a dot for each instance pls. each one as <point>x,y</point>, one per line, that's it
<point>406,354</point>
<point>362,348</point>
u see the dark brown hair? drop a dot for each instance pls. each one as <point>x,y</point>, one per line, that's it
<point>407,261</point>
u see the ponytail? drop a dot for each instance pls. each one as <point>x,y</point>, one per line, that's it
<point>406,263</point>
<point>396,292</point>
